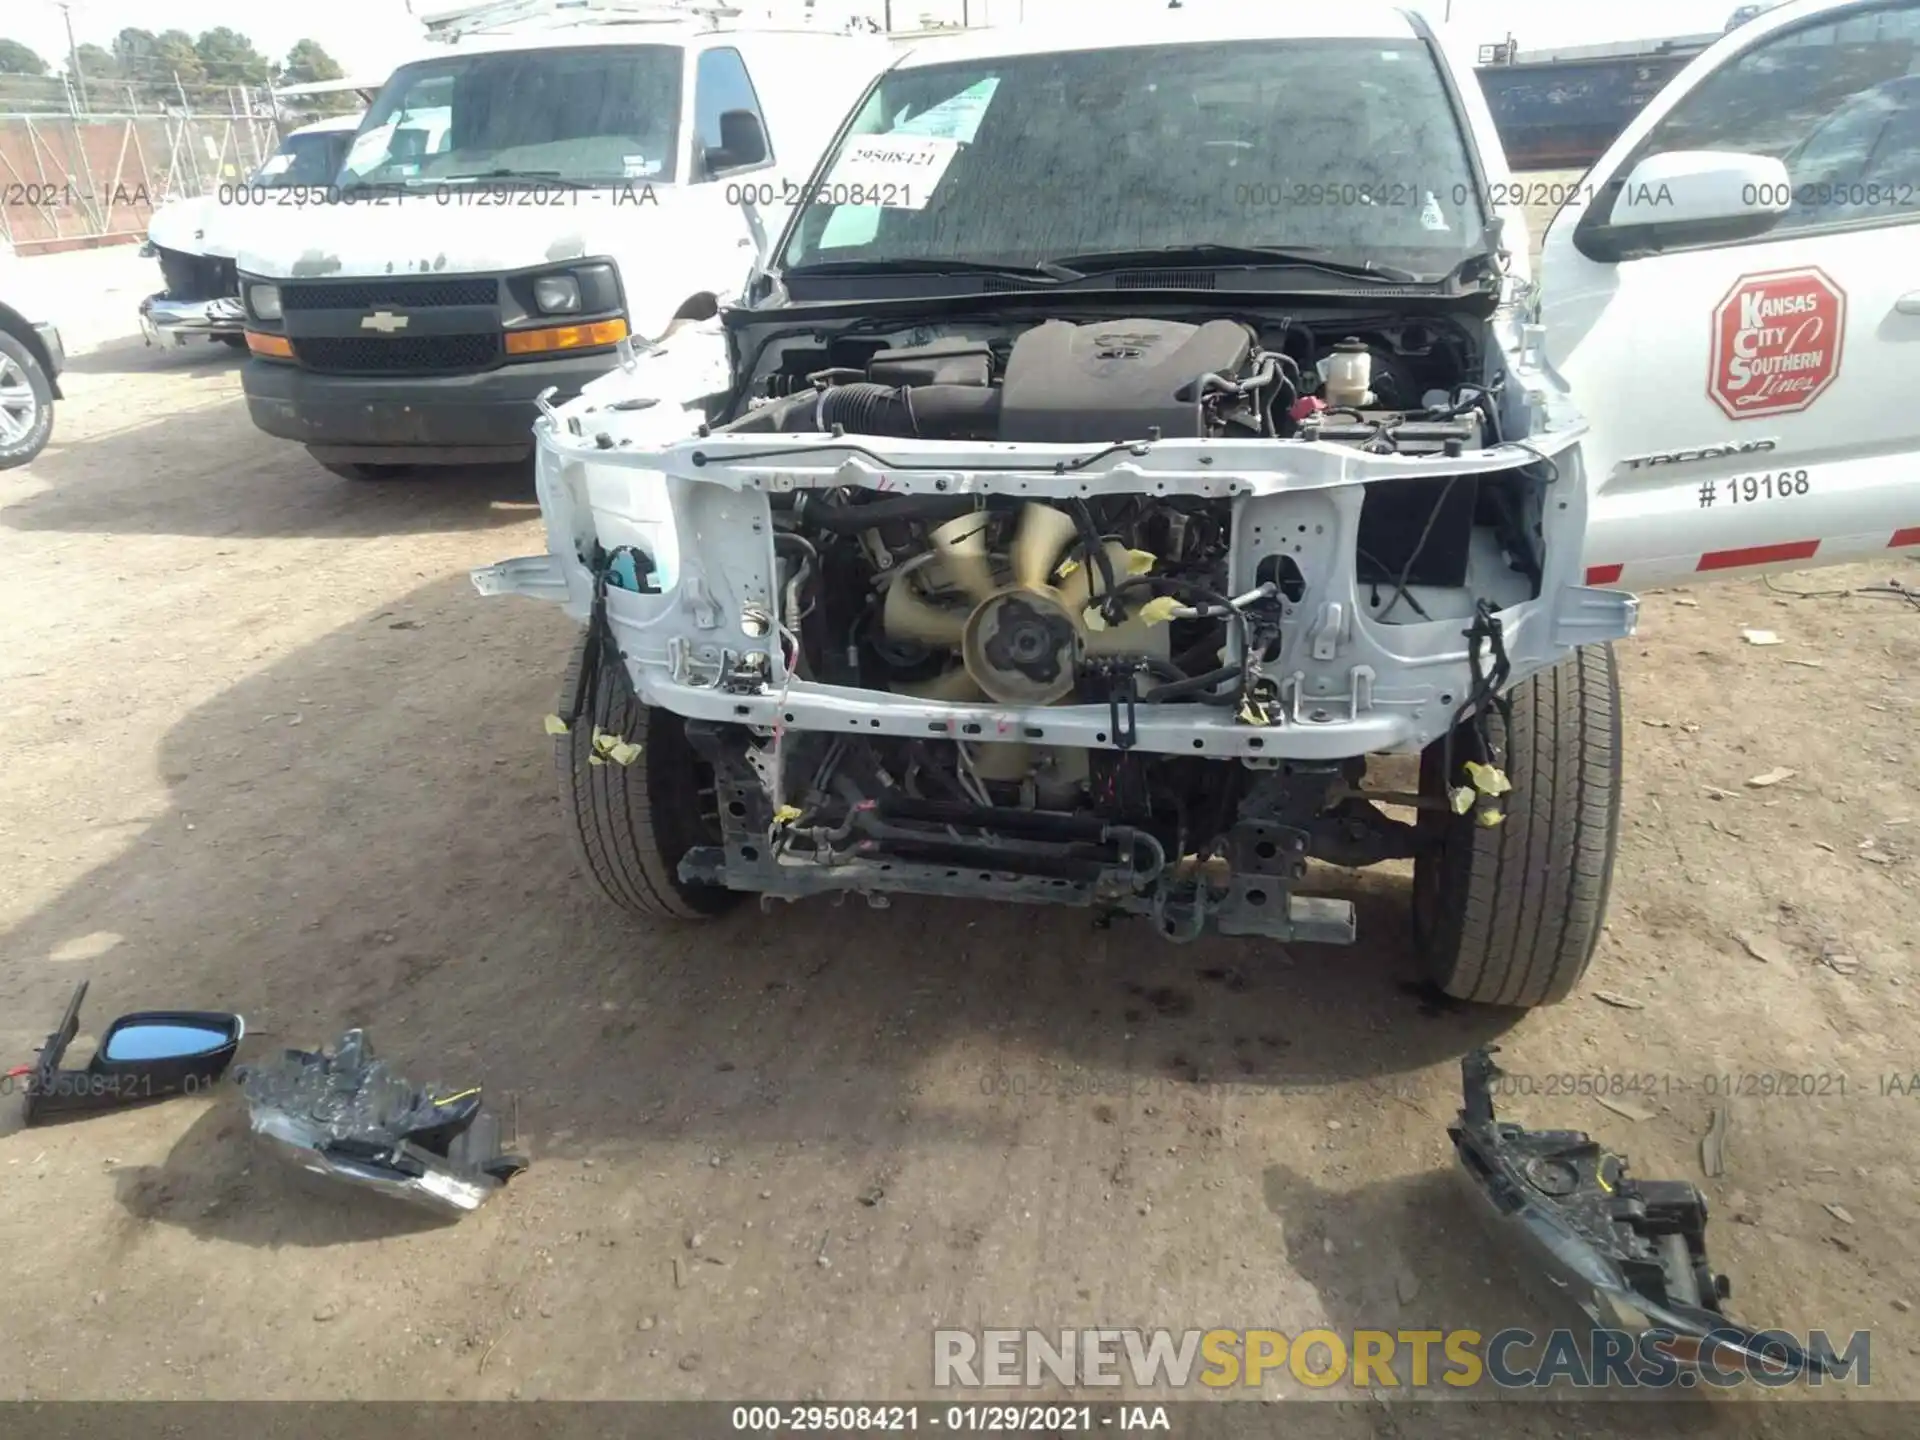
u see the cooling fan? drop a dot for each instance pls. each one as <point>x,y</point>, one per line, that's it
<point>1018,641</point>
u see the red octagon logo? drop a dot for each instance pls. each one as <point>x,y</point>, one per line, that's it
<point>1776,342</point>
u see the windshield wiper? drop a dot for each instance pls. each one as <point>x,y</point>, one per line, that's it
<point>1096,261</point>
<point>544,177</point>
<point>1045,270</point>
<point>353,187</point>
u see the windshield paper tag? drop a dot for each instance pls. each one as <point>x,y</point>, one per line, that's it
<point>900,170</point>
<point>638,167</point>
<point>1431,216</point>
<point>277,165</point>
<point>369,149</point>
<point>957,118</point>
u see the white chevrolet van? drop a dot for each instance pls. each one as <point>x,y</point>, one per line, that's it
<point>588,186</point>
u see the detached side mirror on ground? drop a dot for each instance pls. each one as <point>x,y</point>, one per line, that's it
<point>147,1055</point>
<point>1689,197</point>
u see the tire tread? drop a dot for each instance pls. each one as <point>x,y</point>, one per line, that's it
<point>611,806</point>
<point>1521,904</point>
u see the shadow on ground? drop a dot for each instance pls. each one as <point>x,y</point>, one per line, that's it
<point>398,863</point>
<point>217,1184</point>
<point>134,356</point>
<point>203,471</point>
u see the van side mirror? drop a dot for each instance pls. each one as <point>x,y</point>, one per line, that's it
<point>1686,197</point>
<point>742,143</point>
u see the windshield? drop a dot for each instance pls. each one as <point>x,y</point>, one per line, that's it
<point>304,160</point>
<point>1347,147</point>
<point>605,115</point>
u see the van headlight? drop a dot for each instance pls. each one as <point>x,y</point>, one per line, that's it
<point>557,295</point>
<point>264,301</point>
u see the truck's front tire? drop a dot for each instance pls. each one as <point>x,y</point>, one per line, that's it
<point>1510,914</point>
<point>631,824</point>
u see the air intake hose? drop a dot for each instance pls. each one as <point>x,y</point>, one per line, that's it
<point>926,412</point>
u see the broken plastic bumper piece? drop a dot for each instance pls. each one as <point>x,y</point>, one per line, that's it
<point>1626,1254</point>
<point>344,1115</point>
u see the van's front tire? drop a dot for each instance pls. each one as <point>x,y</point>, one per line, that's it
<point>1510,914</point>
<point>631,824</point>
<point>371,474</point>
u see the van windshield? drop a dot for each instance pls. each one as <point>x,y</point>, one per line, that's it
<point>603,115</point>
<point>1352,149</point>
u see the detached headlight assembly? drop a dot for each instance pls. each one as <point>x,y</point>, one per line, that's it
<point>557,295</point>
<point>264,301</point>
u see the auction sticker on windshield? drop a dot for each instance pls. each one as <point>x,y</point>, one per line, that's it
<point>956,118</point>
<point>369,149</point>
<point>898,171</point>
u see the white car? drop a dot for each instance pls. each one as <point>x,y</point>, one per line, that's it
<point>1138,432</point>
<point>599,166</point>
<point>197,238</point>
<point>31,358</point>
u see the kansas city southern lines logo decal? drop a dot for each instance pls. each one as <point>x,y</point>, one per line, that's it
<point>1776,342</point>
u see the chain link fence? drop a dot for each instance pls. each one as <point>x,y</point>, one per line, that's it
<point>87,162</point>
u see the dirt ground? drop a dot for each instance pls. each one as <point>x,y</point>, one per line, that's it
<point>264,748</point>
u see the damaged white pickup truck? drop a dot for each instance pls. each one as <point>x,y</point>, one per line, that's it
<point>1129,439</point>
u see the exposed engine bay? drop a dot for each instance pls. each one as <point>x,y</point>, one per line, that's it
<point>1064,380</point>
<point>1107,611</point>
<point>953,598</point>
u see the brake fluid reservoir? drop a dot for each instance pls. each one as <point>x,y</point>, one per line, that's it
<point>1348,374</point>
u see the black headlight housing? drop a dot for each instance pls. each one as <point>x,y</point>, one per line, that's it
<point>596,283</point>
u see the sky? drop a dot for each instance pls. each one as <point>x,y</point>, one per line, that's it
<point>368,35</point>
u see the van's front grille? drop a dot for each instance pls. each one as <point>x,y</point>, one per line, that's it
<point>404,354</point>
<point>197,277</point>
<point>404,291</point>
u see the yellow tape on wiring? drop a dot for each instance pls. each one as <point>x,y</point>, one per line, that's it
<point>1488,779</point>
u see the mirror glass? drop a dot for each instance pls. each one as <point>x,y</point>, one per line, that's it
<point>163,1041</point>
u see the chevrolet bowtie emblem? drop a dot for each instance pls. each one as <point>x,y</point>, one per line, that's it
<point>385,321</point>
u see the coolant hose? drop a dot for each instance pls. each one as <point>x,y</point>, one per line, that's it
<point>1178,689</point>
